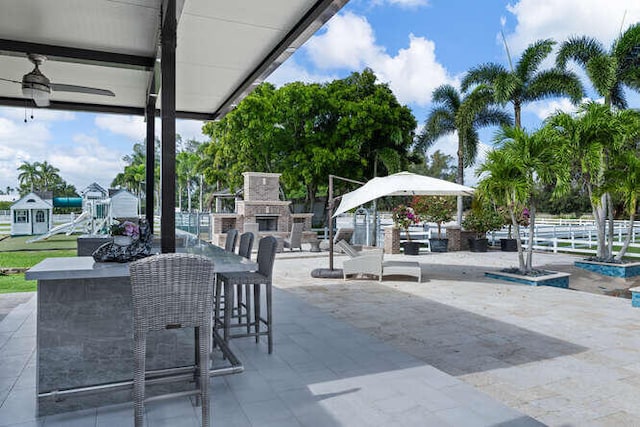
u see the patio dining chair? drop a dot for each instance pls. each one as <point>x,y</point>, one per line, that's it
<point>172,291</point>
<point>230,242</point>
<point>253,280</point>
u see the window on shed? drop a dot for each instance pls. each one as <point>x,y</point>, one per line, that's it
<point>20,216</point>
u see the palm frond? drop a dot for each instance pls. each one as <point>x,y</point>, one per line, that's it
<point>555,82</point>
<point>578,49</point>
<point>447,96</point>
<point>482,74</point>
<point>532,57</point>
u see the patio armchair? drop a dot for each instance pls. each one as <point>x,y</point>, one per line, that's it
<point>295,237</point>
<point>372,262</point>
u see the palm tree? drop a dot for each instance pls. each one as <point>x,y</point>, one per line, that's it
<point>48,175</point>
<point>608,71</point>
<point>525,83</point>
<point>526,160</point>
<point>29,174</point>
<point>464,115</point>
<point>582,140</point>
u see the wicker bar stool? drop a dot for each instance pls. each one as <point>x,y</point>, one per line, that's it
<point>172,291</point>
<point>250,280</point>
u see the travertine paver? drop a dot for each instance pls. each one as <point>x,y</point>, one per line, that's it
<point>323,373</point>
<point>565,357</point>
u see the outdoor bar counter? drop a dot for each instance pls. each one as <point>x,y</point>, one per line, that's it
<point>85,334</point>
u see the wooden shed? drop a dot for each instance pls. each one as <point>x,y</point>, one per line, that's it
<point>31,215</point>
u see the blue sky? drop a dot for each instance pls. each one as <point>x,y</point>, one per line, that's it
<point>413,45</point>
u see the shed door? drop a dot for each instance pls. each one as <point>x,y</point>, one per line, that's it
<point>40,222</point>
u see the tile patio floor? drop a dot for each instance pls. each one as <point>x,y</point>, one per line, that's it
<point>323,373</point>
<point>455,350</point>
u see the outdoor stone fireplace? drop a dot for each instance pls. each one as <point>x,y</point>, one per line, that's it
<point>261,206</point>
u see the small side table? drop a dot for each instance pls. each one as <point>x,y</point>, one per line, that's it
<point>315,245</point>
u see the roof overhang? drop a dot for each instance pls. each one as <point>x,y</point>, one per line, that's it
<point>224,49</point>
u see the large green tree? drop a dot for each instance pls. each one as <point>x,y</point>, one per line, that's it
<point>525,82</point>
<point>463,115</point>
<point>352,127</point>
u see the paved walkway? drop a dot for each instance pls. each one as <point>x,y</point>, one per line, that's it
<point>455,350</point>
<point>323,373</point>
<point>564,357</point>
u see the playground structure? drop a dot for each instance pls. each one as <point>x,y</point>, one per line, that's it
<point>98,213</point>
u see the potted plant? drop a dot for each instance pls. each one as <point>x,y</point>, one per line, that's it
<point>481,219</point>
<point>436,209</point>
<point>510,244</point>
<point>124,233</point>
<point>403,217</point>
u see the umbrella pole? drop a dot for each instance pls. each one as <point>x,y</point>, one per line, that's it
<point>330,216</point>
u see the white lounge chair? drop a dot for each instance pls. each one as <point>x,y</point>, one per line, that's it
<point>295,237</point>
<point>371,262</point>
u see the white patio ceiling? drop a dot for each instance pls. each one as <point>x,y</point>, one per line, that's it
<point>223,48</point>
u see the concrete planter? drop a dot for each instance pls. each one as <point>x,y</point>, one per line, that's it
<point>411,248</point>
<point>438,245</point>
<point>478,245</point>
<point>508,245</point>
<point>630,269</point>
<point>555,279</point>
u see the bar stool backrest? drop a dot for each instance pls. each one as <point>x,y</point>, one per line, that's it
<point>230,243</point>
<point>266,255</point>
<point>246,245</point>
<point>171,289</point>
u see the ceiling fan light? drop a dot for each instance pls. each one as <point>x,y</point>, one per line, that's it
<point>36,91</point>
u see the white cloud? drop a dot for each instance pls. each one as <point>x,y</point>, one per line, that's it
<point>406,4</point>
<point>19,142</point>
<point>291,71</point>
<point>135,128</point>
<point>39,114</point>
<point>349,43</point>
<point>87,160</point>
<point>545,108</point>
<point>541,19</point>
<point>132,127</point>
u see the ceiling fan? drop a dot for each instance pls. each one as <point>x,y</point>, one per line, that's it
<point>37,86</point>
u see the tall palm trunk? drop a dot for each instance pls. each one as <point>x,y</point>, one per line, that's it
<point>516,227</point>
<point>532,222</point>
<point>460,177</point>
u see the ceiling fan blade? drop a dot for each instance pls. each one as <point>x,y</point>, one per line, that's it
<point>81,89</point>
<point>9,80</point>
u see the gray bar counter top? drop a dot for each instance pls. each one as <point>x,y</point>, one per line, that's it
<point>85,331</point>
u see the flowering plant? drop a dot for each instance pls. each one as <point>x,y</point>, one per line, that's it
<point>436,209</point>
<point>125,228</point>
<point>403,217</point>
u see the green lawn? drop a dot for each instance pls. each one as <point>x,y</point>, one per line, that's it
<point>19,243</point>
<point>26,259</point>
<point>16,253</point>
<point>16,283</point>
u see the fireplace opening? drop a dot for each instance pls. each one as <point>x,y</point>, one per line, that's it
<point>267,223</point>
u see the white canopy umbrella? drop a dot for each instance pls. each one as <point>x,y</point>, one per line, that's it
<point>401,184</point>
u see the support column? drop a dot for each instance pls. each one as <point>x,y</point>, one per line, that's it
<point>150,182</point>
<point>168,108</point>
